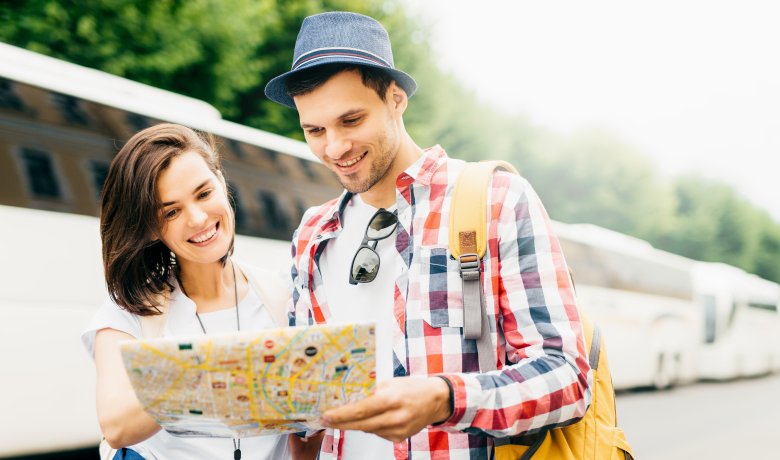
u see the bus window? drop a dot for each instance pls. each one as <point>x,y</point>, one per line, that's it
<point>301,208</point>
<point>235,148</point>
<point>585,264</point>
<point>98,171</point>
<point>710,318</point>
<point>278,164</point>
<point>275,218</point>
<point>39,171</point>
<point>70,109</point>
<point>306,166</point>
<point>273,156</point>
<point>238,208</point>
<point>763,306</point>
<point>8,98</point>
<point>137,121</point>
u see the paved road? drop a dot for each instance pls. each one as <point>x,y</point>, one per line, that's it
<point>714,421</point>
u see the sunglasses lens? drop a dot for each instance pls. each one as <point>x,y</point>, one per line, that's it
<point>365,265</point>
<point>382,225</point>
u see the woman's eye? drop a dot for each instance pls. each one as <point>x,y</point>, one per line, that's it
<point>171,214</point>
<point>313,131</point>
<point>204,194</point>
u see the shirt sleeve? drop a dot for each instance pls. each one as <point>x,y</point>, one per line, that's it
<point>112,316</point>
<point>298,307</point>
<point>544,380</point>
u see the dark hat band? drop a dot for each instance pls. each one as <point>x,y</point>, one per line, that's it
<point>350,53</point>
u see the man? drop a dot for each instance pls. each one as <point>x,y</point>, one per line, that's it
<point>379,253</point>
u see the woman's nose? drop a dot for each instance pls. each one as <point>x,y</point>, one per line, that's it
<point>197,216</point>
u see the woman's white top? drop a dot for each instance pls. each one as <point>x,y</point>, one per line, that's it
<point>183,322</point>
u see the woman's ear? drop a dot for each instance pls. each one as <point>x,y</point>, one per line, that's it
<point>154,237</point>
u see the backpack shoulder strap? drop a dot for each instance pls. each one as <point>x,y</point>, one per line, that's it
<point>592,335</point>
<point>152,326</point>
<point>468,243</point>
<point>468,211</point>
<point>271,290</point>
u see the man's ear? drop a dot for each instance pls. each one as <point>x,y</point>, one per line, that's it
<point>398,98</point>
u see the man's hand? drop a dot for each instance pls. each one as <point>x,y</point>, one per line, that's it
<point>398,409</point>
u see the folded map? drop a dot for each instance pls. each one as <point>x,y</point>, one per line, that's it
<point>251,383</point>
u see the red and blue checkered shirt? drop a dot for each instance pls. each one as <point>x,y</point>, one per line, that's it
<point>542,377</point>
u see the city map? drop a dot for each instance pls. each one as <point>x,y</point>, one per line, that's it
<point>247,384</point>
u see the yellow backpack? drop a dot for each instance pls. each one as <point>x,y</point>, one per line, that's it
<point>594,437</point>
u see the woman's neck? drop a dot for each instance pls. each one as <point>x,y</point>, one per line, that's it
<point>210,286</point>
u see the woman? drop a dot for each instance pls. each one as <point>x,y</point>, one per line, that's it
<point>167,230</point>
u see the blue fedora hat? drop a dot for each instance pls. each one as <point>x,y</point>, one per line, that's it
<point>339,37</point>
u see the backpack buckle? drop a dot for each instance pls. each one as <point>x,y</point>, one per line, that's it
<point>470,273</point>
<point>468,265</point>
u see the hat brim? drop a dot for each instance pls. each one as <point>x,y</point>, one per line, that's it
<point>276,89</point>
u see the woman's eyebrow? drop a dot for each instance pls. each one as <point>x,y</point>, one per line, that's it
<point>203,184</point>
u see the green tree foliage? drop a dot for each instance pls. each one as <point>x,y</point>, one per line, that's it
<point>201,48</point>
<point>714,223</point>
<point>225,51</point>
<point>220,51</point>
<point>768,250</point>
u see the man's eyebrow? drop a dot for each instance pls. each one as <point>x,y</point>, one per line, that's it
<point>203,184</point>
<point>350,113</point>
<point>347,114</point>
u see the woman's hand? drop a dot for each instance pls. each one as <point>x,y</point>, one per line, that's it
<point>121,416</point>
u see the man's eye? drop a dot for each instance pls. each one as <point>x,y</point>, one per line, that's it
<point>313,131</point>
<point>351,121</point>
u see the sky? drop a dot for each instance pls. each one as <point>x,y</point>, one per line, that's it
<point>695,85</point>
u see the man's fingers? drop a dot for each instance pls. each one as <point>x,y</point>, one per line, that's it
<point>382,425</point>
<point>400,408</point>
<point>356,411</point>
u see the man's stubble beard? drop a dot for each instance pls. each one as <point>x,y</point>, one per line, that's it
<point>379,169</point>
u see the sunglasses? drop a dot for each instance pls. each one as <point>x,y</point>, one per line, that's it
<point>365,264</point>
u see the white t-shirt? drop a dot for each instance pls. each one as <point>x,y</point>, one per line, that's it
<point>364,302</point>
<point>182,322</point>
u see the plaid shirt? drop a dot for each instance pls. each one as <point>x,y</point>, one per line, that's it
<point>542,376</point>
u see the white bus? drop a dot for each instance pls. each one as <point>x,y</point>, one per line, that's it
<point>60,125</point>
<point>668,319</point>
<point>741,323</point>
<point>642,298</point>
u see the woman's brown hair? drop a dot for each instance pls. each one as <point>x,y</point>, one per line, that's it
<point>137,265</point>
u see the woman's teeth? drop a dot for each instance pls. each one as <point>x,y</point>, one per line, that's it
<point>205,236</point>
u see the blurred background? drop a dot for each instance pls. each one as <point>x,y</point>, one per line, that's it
<point>651,131</point>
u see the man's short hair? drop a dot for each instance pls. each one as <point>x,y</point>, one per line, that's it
<point>308,80</point>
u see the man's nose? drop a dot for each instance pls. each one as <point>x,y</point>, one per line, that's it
<point>337,145</point>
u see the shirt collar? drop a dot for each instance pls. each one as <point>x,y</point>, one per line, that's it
<point>421,171</point>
